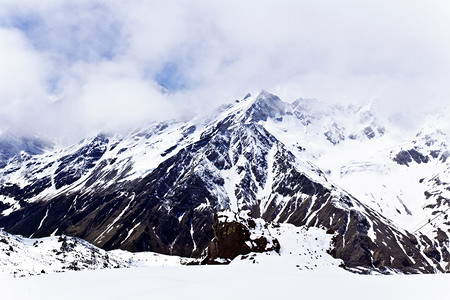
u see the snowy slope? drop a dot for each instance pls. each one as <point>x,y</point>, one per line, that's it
<point>302,248</point>
<point>21,256</point>
<point>270,281</point>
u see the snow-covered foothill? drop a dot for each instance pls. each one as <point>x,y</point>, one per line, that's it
<point>21,256</point>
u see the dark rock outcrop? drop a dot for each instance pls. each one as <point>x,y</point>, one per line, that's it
<point>234,235</point>
<point>405,157</point>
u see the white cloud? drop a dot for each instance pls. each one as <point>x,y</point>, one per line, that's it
<point>112,96</point>
<point>101,57</point>
<point>22,78</point>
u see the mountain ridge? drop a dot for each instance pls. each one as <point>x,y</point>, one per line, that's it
<point>158,188</point>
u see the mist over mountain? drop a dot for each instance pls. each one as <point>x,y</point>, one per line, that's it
<point>70,69</point>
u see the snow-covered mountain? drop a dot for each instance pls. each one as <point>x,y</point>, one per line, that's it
<point>159,188</point>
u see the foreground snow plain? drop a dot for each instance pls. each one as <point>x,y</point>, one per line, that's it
<point>224,282</point>
<point>302,270</point>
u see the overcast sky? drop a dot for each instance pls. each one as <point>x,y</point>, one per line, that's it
<point>74,67</point>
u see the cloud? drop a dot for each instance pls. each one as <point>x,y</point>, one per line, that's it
<point>111,96</point>
<point>100,59</point>
<point>22,77</point>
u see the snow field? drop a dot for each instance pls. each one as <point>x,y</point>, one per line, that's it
<point>224,282</point>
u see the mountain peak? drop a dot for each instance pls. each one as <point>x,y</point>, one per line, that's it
<point>266,105</point>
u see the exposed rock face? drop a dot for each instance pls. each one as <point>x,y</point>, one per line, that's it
<point>229,240</point>
<point>236,235</point>
<point>406,157</point>
<point>426,146</point>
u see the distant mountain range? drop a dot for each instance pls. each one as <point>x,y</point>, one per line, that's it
<point>382,193</point>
